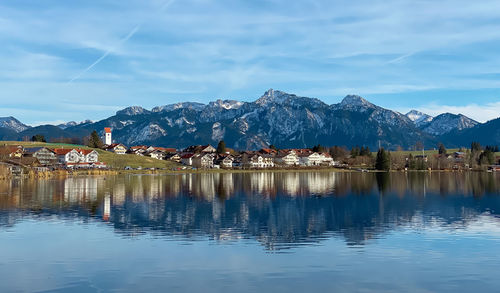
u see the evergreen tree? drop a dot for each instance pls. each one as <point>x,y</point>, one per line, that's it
<point>442,149</point>
<point>221,147</point>
<point>487,158</point>
<point>475,147</point>
<point>273,147</point>
<point>412,164</point>
<point>94,140</point>
<point>365,151</point>
<point>38,138</point>
<point>383,161</point>
<point>355,151</point>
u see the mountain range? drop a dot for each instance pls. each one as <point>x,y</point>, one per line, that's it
<point>278,118</point>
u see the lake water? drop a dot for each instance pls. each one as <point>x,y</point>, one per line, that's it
<point>252,232</point>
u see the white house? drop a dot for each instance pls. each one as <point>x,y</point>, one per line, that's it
<point>205,161</point>
<point>313,159</point>
<point>157,155</point>
<point>187,159</point>
<point>256,161</point>
<point>289,159</point>
<point>117,148</point>
<point>71,156</point>
<point>90,156</point>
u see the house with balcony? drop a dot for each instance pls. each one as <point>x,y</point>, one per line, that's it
<point>287,158</point>
<point>69,156</point>
<point>203,161</point>
<point>310,159</point>
<point>44,155</point>
<point>117,148</point>
<point>225,162</point>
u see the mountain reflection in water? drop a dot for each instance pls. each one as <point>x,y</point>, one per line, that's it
<point>280,210</point>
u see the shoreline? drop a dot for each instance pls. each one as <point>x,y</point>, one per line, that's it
<point>81,173</point>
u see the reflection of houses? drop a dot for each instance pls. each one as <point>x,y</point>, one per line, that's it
<point>80,189</point>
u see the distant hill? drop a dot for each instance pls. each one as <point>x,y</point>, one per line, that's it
<point>486,134</point>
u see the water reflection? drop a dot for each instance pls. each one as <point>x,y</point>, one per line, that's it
<point>280,210</point>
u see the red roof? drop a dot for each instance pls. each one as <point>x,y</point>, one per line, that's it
<point>107,129</point>
<point>187,156</point>
<point>85,152</point>
<point>61,152</point>
<point>166,150</point>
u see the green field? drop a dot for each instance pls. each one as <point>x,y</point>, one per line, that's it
<point>426,152</point>
<point>112,160</point>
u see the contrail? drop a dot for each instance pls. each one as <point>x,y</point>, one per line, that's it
<point>122,41</point>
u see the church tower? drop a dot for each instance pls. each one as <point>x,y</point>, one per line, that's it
<point>107,136</point>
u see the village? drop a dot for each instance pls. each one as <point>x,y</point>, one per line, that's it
<point>18,158</point>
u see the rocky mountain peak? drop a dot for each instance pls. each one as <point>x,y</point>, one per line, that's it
<point>12,123</point>
<point>133,110</point>
<point>418,117</point>
<point>226,104</point>
<point>182,105</point>
<point>355,100</point>
<point>273,96</point>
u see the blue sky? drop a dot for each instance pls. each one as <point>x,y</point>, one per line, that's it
<point>76,60</point>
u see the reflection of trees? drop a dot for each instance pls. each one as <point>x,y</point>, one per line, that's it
<point>278,209</point>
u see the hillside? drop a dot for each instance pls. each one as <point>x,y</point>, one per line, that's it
<point>112,160</point>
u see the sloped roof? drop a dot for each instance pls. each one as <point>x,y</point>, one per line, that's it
<point>62,152</point>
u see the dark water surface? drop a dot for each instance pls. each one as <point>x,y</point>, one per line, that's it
<point>253,232</point>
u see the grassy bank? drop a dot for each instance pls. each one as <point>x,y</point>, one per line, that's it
<point>113,160</point>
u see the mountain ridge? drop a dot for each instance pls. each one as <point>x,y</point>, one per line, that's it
<point>277,117</point>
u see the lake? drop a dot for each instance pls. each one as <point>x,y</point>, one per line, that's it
<point>251,232</point>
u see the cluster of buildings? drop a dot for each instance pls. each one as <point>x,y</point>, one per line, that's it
<point>206,157</point>
<point>44,159</point>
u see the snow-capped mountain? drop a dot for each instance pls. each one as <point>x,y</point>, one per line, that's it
<point>73,123</point>
<point>186,105</point>
<point>12,124</point>
<point>285,120</point>
<point>446,123</point>
<point>133,110</point>
<point>278,118</point>
<point>418,117</point>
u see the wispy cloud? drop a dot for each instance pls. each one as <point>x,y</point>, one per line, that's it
<point>135,51</point>
<point>122,41</point>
